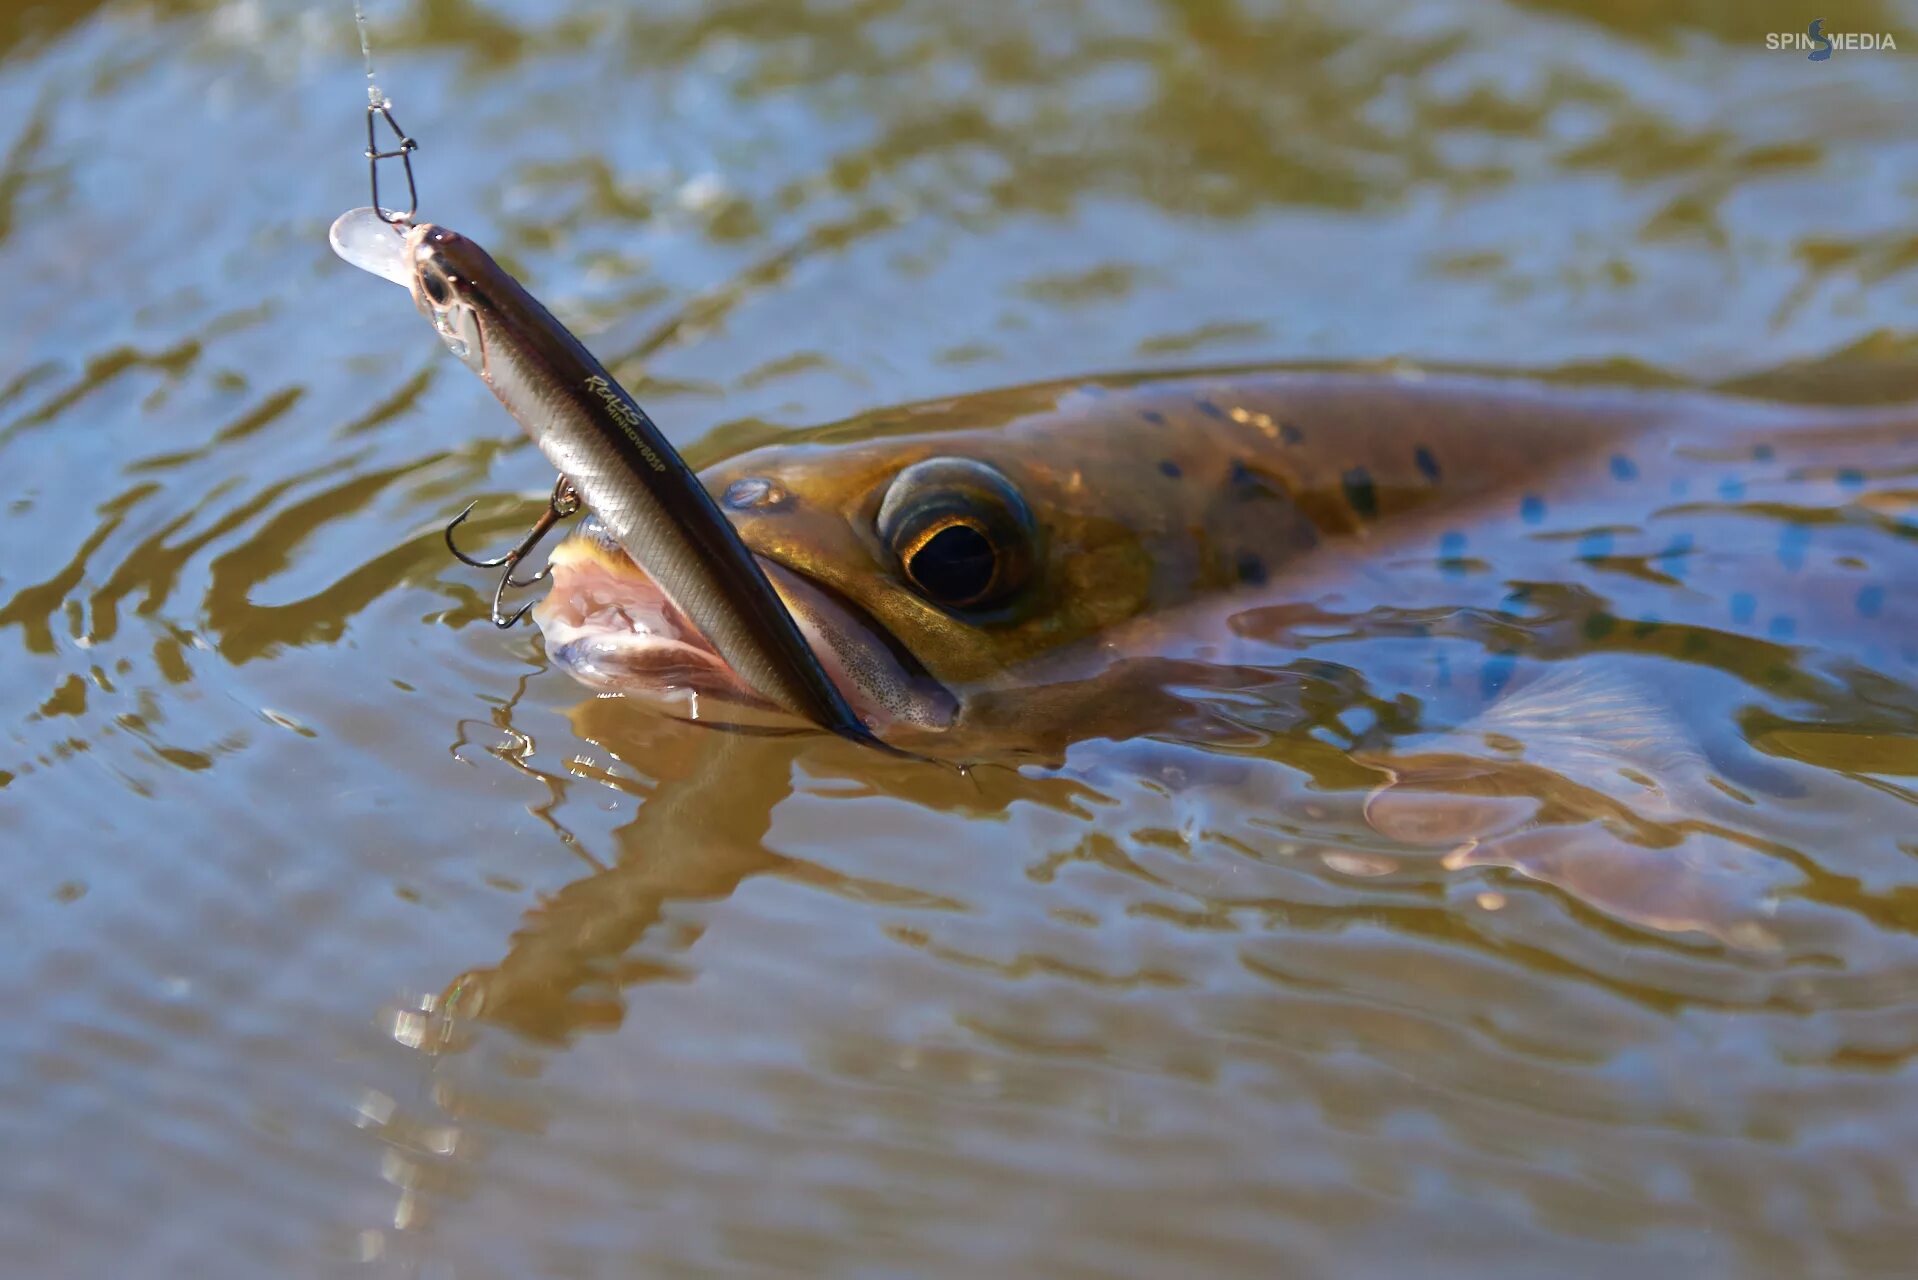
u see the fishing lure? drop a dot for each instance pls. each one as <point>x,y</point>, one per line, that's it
<point>610,454</point>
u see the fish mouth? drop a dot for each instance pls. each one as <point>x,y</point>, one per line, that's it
<point>616,631</point>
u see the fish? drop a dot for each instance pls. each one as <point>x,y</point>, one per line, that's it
<point>645,499</point>
<point>1039,553</point>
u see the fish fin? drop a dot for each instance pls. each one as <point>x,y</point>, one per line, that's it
<point>1588,781</point>
<point>1598,728</point>
<point>1705,883</point>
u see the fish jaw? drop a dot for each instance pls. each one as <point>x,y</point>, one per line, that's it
<point>613,628</point>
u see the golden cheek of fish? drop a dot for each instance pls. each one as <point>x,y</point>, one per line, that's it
<point>980,555</point>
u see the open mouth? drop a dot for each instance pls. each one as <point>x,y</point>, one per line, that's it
<point>614,630</point>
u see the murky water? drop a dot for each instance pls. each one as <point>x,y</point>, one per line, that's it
<point>346,936</point>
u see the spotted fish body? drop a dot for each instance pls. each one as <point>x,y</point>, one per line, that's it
<point>1235,516</point>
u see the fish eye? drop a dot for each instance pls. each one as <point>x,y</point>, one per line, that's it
<point>961,531</point>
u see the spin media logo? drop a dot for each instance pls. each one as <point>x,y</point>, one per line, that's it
<point>1820,43</point>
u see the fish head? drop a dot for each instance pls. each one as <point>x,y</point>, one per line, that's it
<point>971,562</point>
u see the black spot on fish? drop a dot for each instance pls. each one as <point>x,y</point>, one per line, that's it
<point>1427,464</point>
<point>1209,409</point>
<point>1153,416</point>
<point>1871,602</point>
<point>1238,473</point>
<point>1362,493</point>
<point>1251,568</point>
<point>1623,468</point>
<point>1169,468</point>
<point>1763,453</point>
<point>1290,433</point>
<point>1531,508</point>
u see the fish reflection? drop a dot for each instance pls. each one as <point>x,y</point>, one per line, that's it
<point>701,831</point>
<point>568,958</point>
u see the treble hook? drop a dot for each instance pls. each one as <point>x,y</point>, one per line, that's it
<point>403,153</point>
<point>563,503</point>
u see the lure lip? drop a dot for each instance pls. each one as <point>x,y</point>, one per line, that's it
<point>366,239</point>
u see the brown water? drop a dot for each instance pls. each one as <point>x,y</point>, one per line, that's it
<point>273,797</point>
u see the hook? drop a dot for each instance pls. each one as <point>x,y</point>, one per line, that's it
<point>563,503</point>
<point>403,153</point>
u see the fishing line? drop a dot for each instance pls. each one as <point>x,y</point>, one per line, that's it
<point>378,107</point>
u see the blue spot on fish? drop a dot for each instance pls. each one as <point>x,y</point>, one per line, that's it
<point>1731,488</point>
<point>1744,606</point>
<point>1427,464</point>
<point>1153,416</point>
<point>1531,508</point>
<point>1674,555</point>
<point>1782,627</point>
<point>1851,478</point>
<point>1623,468</point>
<point>1496,673</point>
<point>1211,410</point>
<point>1871,602</point>
<point>1517,597</point>
<point>1595,545</point>
<point>1792,545</point>
<point>1290,434</point>
<point>1763,453</point>
<point>1168,467</point>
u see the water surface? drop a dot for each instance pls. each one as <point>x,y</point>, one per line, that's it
<point>274,796</point>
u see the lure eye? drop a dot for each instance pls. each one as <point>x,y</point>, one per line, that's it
<point>962,534</point>
<point>433,281</point>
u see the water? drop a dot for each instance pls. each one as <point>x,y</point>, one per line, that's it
<point>274,799</point>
